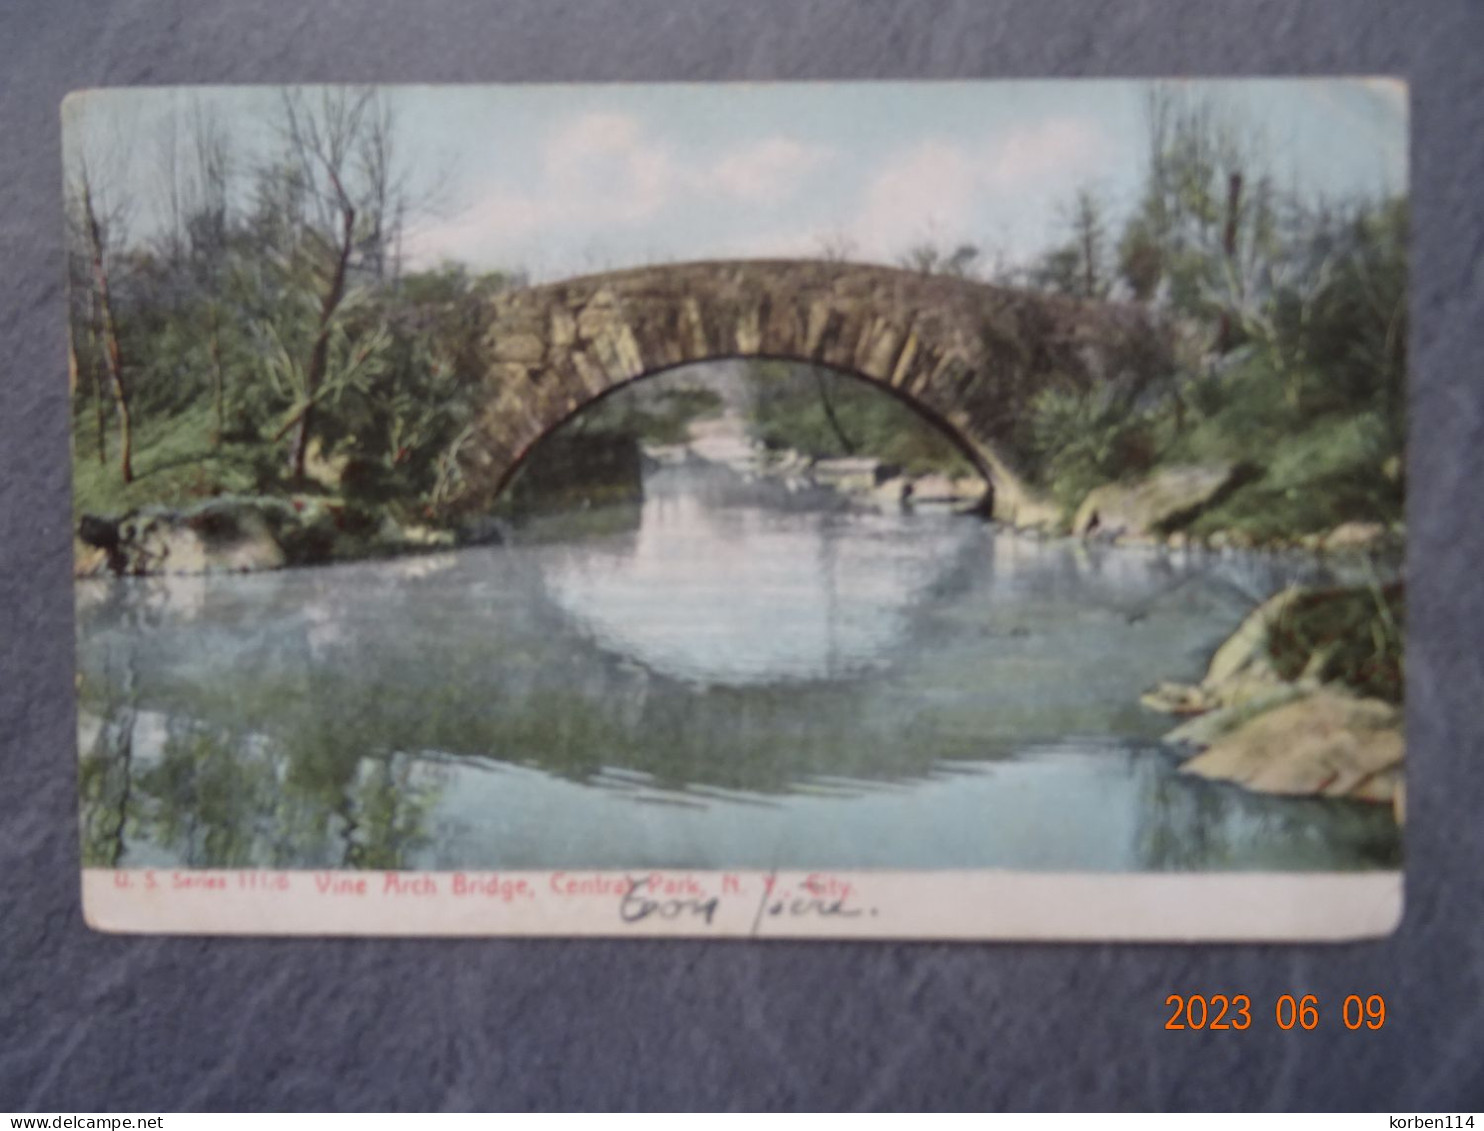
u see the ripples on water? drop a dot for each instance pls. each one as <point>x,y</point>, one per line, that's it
<point>736,677</point>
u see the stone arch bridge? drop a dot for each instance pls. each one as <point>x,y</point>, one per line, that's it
<point>968,355</point>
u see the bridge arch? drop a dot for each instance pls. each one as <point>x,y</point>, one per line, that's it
<point>967,355</point>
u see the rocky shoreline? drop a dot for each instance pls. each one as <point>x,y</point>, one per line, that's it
<point>1276,718</point>
<point>249,534</point>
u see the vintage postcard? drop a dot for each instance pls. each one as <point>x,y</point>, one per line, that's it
<point>946,510</point>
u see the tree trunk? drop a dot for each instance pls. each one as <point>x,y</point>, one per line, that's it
<point>829,415</point>
<point>219,395</point>
<point>100,416</point>
<point>109,331</point>
<point>314,375</point>
<point>1224,335</point>
<point>1089,262</point>
<point>74,386</point>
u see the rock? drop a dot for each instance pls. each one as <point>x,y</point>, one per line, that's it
<point>220,536</point>
<point>1166,499</point>
<point>1354,536</point>
<point>897,490</point>
<point>426,536</point>
<point>100,532</point>
<point>88,560</point>
<point>520,347</point>
<point>934,489</point>
<point>1249,644</point>
<point>1180,699</point>
<point>1326,743</point>
<point>970,489</point>
<point>1202,730</point>
<point>1178,540</point>
<point>853,474</point>
<point>1382,787</point>
<point>1023,510</point>
<point>1240,680</point>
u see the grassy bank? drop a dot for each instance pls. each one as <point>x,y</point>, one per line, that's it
<point>1310,464</point>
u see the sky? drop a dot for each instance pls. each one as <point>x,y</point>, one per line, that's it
<point>563,180</point>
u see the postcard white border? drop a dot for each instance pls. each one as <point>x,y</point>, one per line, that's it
<point>1210,907</point>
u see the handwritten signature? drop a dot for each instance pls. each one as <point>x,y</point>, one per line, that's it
<point>654,897</point>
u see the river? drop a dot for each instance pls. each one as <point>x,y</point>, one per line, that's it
<point>730,675</point>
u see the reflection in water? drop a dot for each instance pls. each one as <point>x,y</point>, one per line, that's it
<point>731,677</point>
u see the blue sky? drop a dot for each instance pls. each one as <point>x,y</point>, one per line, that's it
<point>563,180</point>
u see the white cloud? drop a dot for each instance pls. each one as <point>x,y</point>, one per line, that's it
<point>603,165</point>
<point>936,189</point>
<point>600,171</point>
<point>929,188</point>
<point>1060,147</point>
<point>769,171</point>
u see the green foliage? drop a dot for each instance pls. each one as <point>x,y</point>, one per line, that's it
<point>1350,636</point>
<point>1083,439</point>
<point>1079,267</point>
<point>648,411</point>
<point>826,415</point>
<point>176,464</point>
<point>1340,469</point>
<point>1291,319</point>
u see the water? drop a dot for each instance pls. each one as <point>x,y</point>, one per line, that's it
<point>730,676</point>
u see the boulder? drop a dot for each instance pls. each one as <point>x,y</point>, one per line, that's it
<point>88,560</point>
<point>897,490</point>
<point>1167,499</point>
<point>1327,743</point>
<point>1355,536</point>
<point>1249,644</point>
<point>970,489</point>
<point>1180,699</point>
<point>1023,509</point>
<point>1239,672</point>
<point>220,536</point>
<point>426,536</point>
<point>1203,729</point>
<point>934,489</point>
<point>855,474</point>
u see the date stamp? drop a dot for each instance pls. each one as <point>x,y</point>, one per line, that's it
<point>1305,1012</point>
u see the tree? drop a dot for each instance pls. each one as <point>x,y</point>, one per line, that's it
<point>1078,267</point>
<point>836,247</point>
<point>94,227</point>
<point>1204,232</point>
<point>930,259</point>
<point>196,246</point>
<point>337,168</point>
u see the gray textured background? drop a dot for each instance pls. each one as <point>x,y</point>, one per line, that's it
<point>91,1021</point>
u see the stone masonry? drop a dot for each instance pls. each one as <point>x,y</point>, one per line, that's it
<point>969,355</point>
